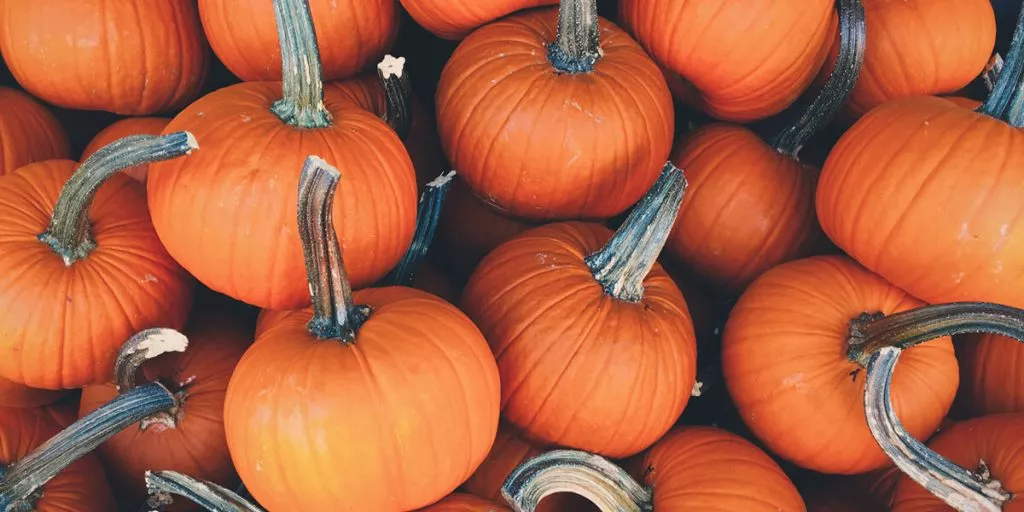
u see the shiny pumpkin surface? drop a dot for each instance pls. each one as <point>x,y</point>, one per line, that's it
<point>123,128</point>
<point>227,212</point>
<point>131,57</point>
<point>991,374</point>
<point>524,135</point>
<point>579,368</point>
<point>459,502</point>
<point>785,365</point>
<point>454,19</point>
<point>28,132</point>
<point>740,61</point>
<point>68,334</point>
<point>927,194</point>
<point>407,412</point>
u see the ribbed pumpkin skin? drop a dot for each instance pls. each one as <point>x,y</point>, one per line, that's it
<point>352,34</point>
<point>773,49</point>
<point>227,212</point>
<point>997,439</point>
<point>991,378</point>
<point>459,502</point>
<point>579,368</point>
<point>785,365</point>
<point>706,469</point>
<point>131,57</point>
<point>19,397</point>
<point>454,19</point>
<point>196,446</point>
<point>60,326</point>
<point>407,413</point>
<point>927,194</point>
<point>28,132</point>
<point>747,207</point>
<point>921,47</point>
<point>523,135</point>
<point>124,128</point>
<point>81,487</point>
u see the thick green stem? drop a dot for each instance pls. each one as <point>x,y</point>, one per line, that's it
<point>334,315</point>
<point>427,216</point>
<point>591,476</point>
<point>140,348</point>
<point>68,233</point>
<point>1006,101</point>
<point>623,263</point>
<point>162,484</point>
<point>577,47</point>
<point>819,111</point>
<point>993,69</point>
<point>302,104</point>
<point>397,93</point>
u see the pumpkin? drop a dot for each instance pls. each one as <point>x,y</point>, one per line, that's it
<point>868,492</point>
<point>455,19</point>
<point>351,34</point>
<point>234,198</point>
<point>78,240</point>
<point>28,132</point>
<point>191,440</point>
<point>459,502</point>
<point>593,340</point>
<point>131,57</point>
<point>522,101</point>
<point>123,128</point>
<point>991,381</point>
<point>772,48</point>
<point>354,391</point>
<point>18,396</point>
<point>799,385</point>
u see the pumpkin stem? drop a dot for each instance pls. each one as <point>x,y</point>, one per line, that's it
<point>1006,101</point>
<point>591,476</point>
<point>142,347</point>
<point>578,44</point>
<point>991,73</point>
<point>22,479</point>
<point>870,332</point>
<point>334,316</point>
<point>398,93</point>
<point>820,110</point>
<point>68,233</point>
<point>162,484</point>
<point>959,488</point>
<point>623,263</point>
<point>428,213</point>
<point>302,102</point>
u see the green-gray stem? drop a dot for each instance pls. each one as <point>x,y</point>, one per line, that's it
<point>68,233</point>
<point>992,71</point>
<point>427,216</point>
<point>302,102</point>
<point>142,347</point>
<point>1006,101</point>
<point>623,263</point>
<point>397,93</point>
<point>577,47</point>
<point>591,476</point>
<point>212,497</point>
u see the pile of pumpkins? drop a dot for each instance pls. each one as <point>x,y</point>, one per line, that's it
<point>496,255</point>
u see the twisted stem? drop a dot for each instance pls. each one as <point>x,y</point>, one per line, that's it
<point>397,93</point>
<point>591,476</point>
<point>1006,102</point>
<point>302,102</point>
<point>428,213</point>
<point>162,484</point>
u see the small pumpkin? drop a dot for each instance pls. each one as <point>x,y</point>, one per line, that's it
<point>130,57</point>
<point>123,128</point>
<point>456,19</point>
<point>522,101</point>
<point>28,132</point>
<point>78,240</point>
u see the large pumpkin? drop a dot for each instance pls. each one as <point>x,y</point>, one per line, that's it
<point>455,19</point>
<point>374,387</point>
<point>773,49</point>
<point>81,268</point>
<point>523,102</point>
<point>28,132</point>
<point>133,57</point>
<point>123,128</point>
<point>235,198</point>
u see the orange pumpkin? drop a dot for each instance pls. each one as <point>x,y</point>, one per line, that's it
<point>18,396</point>
<point>594,344</point>
<point>124,128</point>
<point>132,57</point>
<point>90,260</point>
<point>351,34</point>
<point>313,399</point>
<point>459,502</point>
<point>868,492</point>
<point>773,49</point>
<point>28,132</point>
<point>233,199</point>
<point>799,385</point>
<point>522,101</point>
<point>991,380</point>
<point>455,19</point>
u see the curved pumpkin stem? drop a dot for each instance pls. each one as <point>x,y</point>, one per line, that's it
<point>334,315</point>
<point>68,232</point>
<point>162,484</point>
<point>398,94</point>
<point>820,111</point>
<point>1006,101</point>
<point>302,104</point>
<point>623,263</point>
<point>140,348</point>
<point>578,44</point>
<point>591,476</point>
<point>964,490</point>
<point>991,73</point>
<point>428,213</point>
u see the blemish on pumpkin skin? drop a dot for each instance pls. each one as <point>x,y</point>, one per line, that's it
<point>149,278</point>
<point>795,381</point>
